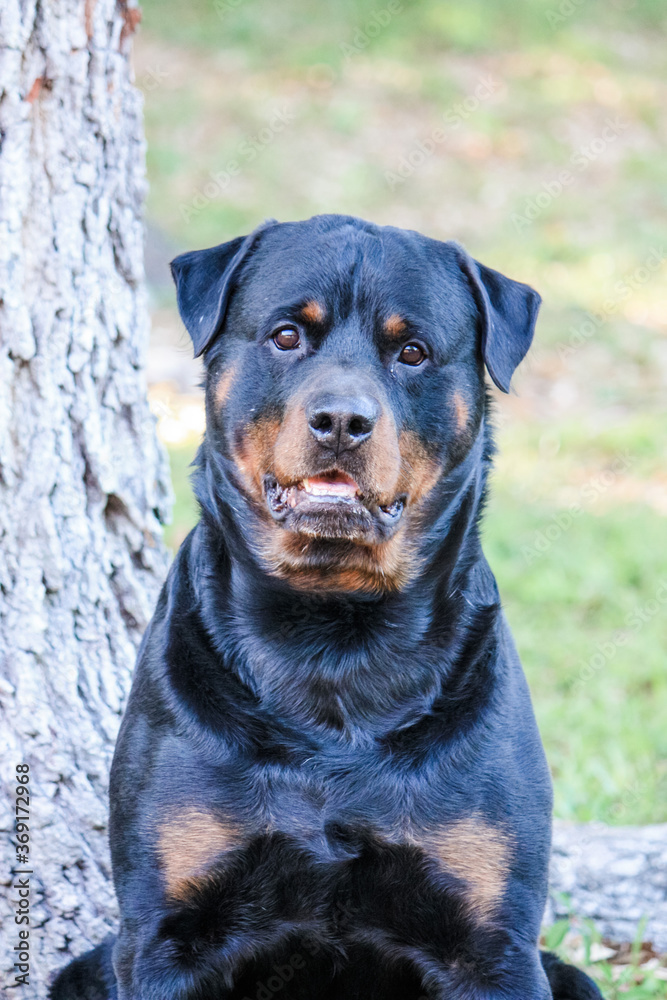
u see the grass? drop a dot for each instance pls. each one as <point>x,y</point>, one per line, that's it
<point>361,101</point>
<point>586,430</point>
<point>631,972</point>
<point>185,513</point>
<point>592,639</point>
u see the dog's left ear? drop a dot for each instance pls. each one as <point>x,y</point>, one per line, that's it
<point>204,280</point>
<point>508,311</point>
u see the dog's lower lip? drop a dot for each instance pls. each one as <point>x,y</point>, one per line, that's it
<point>328,494</point>
<point>394,510</point>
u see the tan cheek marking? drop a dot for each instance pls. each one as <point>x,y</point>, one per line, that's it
<point>396,563</point>
<point>188,843</point>
<point>383,462</point>
<point>394,325</point>
<point>379,568</point>
<point>462,412</point>
<point>224,385</point>
<point>479,854</point>
<point>291,449</point>
<point>369,569</point>
<point>254,455</point>
<point>419,473</point>
<point>313,312</point>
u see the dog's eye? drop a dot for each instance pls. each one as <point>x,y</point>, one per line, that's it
<point>412,354</point>
<point>286,339</point>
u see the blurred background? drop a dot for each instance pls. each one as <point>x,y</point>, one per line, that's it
<point>533,131</point>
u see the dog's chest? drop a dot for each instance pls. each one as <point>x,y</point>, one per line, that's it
<point>329,808</point>
<point>327,792</point>
<point>314,832</point>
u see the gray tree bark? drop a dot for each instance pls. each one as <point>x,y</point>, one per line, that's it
<point>84,485</point>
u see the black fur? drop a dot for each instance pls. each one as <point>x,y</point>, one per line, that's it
<point>338,751</point>
<point>89,977</point>
<point>566,981</point>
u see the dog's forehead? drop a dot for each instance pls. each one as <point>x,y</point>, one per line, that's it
<point>394,271</point>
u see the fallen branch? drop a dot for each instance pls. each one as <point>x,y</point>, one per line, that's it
<point>614,876</point>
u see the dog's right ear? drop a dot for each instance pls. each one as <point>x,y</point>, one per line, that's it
<point>204,281</point>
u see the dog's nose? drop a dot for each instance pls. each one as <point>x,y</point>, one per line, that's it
<point>342,423</point>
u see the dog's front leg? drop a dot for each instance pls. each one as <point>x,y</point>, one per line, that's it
<point>463,944</point>
<point>516,976</point>
<point>149,966</point>
<point>467,976</point>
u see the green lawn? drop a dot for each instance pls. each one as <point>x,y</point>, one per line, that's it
<point>257,109</point>
<point>587,425</point>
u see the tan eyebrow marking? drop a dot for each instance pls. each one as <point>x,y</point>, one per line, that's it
<point>313,312</point>
<point>394,325</point>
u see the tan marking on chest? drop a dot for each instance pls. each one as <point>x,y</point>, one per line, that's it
<point>479,854</point>
<point>313,312</point>
<point>188,843</point>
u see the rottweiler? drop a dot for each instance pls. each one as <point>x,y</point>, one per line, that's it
<point>329,782</point>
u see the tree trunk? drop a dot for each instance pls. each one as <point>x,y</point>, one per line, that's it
<point>83,482</point>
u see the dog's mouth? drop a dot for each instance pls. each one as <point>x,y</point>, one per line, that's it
<point>331,504</point>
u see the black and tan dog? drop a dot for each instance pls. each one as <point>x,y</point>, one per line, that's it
<point>329,782</point>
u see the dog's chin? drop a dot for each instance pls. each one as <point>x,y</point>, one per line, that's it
<point>331,506</point>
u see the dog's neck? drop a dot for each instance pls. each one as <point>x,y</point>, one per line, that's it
<point>353,660</point>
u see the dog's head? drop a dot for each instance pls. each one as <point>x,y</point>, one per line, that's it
<point>345,381</point>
